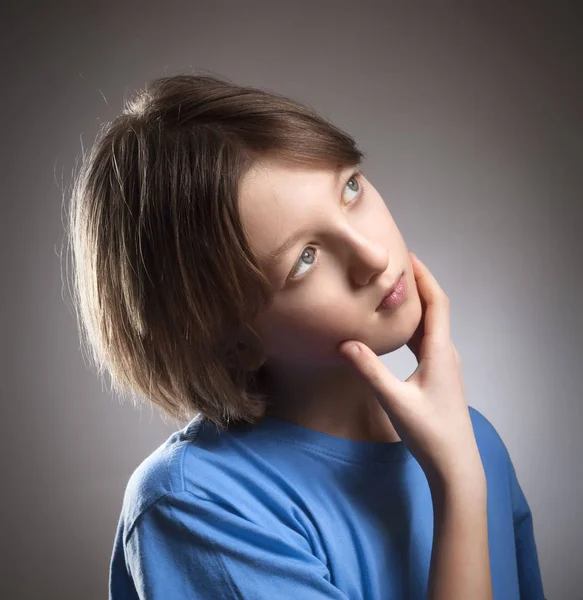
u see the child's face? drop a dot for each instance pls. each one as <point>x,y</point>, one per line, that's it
<point>350,251</point>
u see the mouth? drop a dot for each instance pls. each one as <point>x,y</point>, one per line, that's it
<point>387,293</point>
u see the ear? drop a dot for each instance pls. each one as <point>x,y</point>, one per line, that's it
<point>250,349</point>
<point>252,359</point>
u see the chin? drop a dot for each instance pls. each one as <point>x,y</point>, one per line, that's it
<point>401,325</point>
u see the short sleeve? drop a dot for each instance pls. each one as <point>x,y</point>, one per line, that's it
<point>529,574</point>
<point>185,547</point>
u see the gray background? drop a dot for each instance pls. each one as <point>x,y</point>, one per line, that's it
<point>470,114</point>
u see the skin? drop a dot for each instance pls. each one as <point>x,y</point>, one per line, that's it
<point>359,251</point>
<point>347,258</point>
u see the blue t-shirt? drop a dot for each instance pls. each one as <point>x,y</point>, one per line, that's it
<point>279,511</point>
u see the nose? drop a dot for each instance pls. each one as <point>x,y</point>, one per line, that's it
<point>367,259</point>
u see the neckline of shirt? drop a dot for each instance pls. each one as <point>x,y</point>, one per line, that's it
<point>345,448</point>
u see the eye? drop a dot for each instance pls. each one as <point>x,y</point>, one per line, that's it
<point>355,177</point>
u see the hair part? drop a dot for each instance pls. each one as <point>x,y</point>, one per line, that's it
<point>165,283</point>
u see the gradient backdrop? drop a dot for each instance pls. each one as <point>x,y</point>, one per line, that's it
<point>471,117</point>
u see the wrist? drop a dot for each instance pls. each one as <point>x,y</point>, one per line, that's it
<point>467,482</point>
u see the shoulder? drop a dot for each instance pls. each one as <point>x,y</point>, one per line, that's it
<point>161,473</point>
<point>490,443</point>
<point>197,464</point>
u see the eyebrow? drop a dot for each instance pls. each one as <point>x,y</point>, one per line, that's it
<point>276,256</point>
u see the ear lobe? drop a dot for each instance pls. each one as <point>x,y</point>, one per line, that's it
<point>253,360</point>
<point>250,357</point>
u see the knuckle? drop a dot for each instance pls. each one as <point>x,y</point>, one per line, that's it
<point>458,358</point>
<point>372,376</point>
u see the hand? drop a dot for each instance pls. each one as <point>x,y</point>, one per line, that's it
<point>428,410</point>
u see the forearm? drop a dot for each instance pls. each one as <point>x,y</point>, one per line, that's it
<point>460,561</point>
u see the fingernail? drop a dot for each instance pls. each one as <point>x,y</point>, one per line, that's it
<point>351,349</point>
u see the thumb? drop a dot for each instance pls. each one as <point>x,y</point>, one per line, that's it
<point>388,388</point>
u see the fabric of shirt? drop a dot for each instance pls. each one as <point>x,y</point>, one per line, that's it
<point>276,510</point>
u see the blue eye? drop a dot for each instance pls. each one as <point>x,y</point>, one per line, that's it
<point>359,191</point>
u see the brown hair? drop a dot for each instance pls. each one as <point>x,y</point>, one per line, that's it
<point>165,283</point>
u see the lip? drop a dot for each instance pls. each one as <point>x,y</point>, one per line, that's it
<point>391,289</point>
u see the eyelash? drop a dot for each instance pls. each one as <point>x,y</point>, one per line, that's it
<point>357,176</point>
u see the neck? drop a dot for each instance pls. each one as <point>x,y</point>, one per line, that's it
<point>337,402</point>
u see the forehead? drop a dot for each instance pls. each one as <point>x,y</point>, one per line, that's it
<point>279,180</point>
<point>274,198</point>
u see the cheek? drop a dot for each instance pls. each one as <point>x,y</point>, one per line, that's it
<point>316,327</point>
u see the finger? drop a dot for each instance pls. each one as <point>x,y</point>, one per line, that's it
<point>437,313</point>
<point>389,390</point>
<point>458,359</point>
<point>414,344</point>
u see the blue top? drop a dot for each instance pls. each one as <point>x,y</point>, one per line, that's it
<point>279,511</point>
